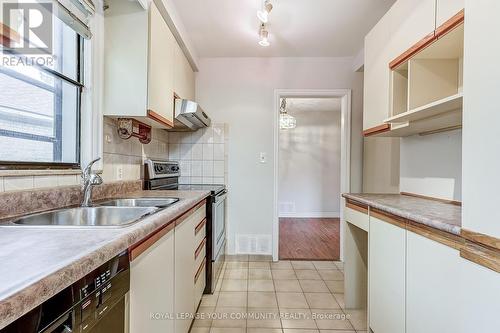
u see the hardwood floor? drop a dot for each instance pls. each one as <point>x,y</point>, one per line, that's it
<point>309,239</point>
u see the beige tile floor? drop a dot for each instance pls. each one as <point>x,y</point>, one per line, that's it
<point>255,295</point>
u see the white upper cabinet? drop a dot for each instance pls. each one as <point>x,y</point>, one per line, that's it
<point>376,75</point>
<point>445,9</point>
<point>161,66</point>
<point>406,23</point>
<point>143,65</point>
<point>409,22</point>
<point>184,76</point>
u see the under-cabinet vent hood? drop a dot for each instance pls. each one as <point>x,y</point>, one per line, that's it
<point>189,116</point>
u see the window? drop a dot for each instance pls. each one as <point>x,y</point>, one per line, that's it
<point>40,97</point>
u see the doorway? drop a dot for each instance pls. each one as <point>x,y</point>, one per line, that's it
<point>311,172</point>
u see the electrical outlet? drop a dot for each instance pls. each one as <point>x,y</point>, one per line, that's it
<point>263,158</point>
<point>119,173</point>
<point>107,137</point>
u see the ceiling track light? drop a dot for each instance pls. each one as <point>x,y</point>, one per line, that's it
<point>263,14</point>
<point>264,35</point>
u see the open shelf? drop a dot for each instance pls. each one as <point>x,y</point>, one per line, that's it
<point>440,123</point>
<point>432,109</point>
<point>427,88</point>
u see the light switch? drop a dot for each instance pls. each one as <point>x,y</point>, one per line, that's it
<point>263,158</point>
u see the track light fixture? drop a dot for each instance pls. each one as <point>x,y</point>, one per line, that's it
<point>264,35</point>
<point>263,14</point>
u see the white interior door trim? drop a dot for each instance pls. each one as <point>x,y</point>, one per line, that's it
<point>345,154</point>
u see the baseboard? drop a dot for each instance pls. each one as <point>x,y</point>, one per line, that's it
<point>311,215</point>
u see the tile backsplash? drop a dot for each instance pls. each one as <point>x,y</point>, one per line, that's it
<point>202,154</point>
<point>124,159</point>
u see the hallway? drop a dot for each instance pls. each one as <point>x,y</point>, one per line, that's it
<point>309,239</point>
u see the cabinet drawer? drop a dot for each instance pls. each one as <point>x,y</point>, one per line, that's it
<point>200,254</point>
<point>200,232</point>
<point>357,215</point>
<point>199,286</point>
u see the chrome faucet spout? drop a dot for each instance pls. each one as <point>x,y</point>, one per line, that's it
<point>90,180</point>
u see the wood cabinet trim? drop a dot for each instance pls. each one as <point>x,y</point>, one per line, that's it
<point>452,202</point>
<point>200,248</point>
<point>450,24</point>
<point>436,235</point>
<point>481,239</point>
<point>377,130</point>
<point>186,215</point>
<point>416,48</point>
<point>389,218</point>
<point>198,272</point>
<point>139,248</point>
<point>486,257</point>
<point>159,118</point>
<point>200,226</point>
<point>357,206</point>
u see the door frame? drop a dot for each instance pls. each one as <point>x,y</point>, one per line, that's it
<point>345,151</point>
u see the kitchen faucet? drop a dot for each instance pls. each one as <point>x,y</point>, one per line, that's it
<point>90,180</point>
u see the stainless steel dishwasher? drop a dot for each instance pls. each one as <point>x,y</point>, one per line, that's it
<point>93,304</point>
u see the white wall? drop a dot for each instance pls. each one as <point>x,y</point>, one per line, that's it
<point>309,163</point>
<point>432,165</point>
<point>240,92</point>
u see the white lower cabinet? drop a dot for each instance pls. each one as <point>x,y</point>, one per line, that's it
<point>432,286</point>
<point>387,265</point>
<point>185,269</point>
<point>152,288</point>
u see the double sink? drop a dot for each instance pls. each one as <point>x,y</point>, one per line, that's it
<point>110,213</point>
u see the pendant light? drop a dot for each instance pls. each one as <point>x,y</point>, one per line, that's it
<point>286,121</point>
<point>263,14</point>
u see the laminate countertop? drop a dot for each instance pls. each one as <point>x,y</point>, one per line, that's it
<point>439,215</point>
<point>37,263</point>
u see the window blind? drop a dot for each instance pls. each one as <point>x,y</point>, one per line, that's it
<point>76,14</point>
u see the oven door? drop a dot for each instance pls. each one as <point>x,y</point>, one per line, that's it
<point>219,224</point>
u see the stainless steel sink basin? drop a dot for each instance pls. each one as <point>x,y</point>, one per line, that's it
<point>87,217</point>
<point>140,202</point>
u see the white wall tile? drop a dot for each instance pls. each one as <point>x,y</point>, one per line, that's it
<point>185,151</point>
<point>218,135</point>
<point>208,180</point>
<point>174,137</point>
<point>208,169</point>
<point>197,136</point>
<point>196,180</point>
<point>67,180</point>
<point>18,183</point>
<point>219,169</point>
<point>185,168</point>
<point>208,135</point>
<point>219,152</point>
<point>174,151</point>
<point>44,181</point>
<point>196,168</point>
<point>208,152</point>
<point>197,152</point>
<point>185,180</point>
<point>219,180</point>
<point>185,137</point>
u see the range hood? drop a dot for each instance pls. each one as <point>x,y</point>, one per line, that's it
<point>189,116</point>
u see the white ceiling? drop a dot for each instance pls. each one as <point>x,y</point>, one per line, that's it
<point>298,28</point>
<point>298,105</point>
